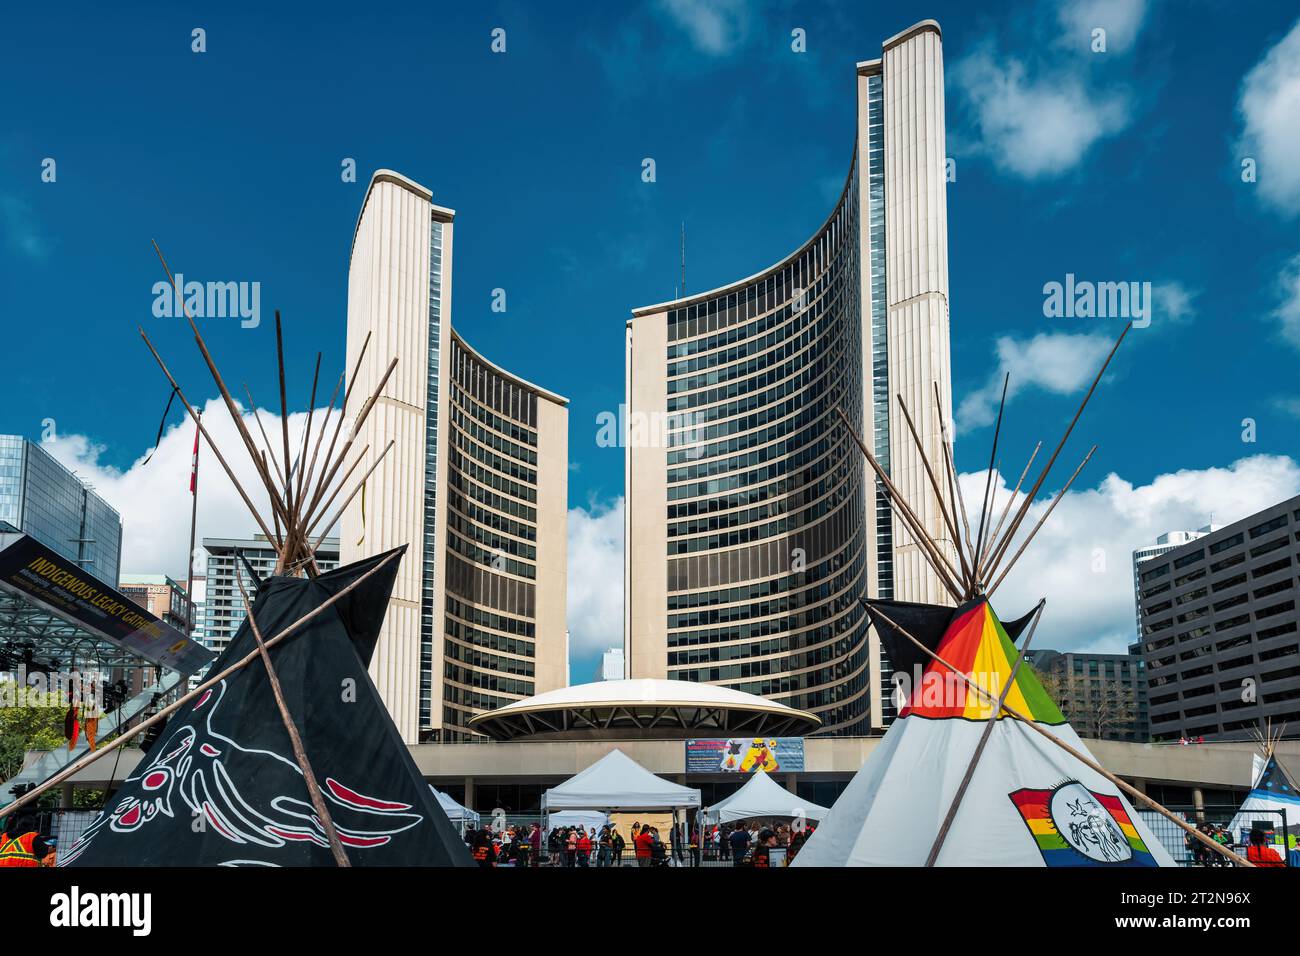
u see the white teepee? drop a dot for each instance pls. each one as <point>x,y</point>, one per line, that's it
<point>1273,802</point>
<point>1028,802</point>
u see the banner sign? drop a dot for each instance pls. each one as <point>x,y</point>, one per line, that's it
<point>744,755</point>
<point>34,573</point>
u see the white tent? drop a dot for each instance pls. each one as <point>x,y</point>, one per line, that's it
<point>456,813</point>
<point>1028,802</point>
<point>617,782</point>
<point>587,819</point>
<point>761,796</point>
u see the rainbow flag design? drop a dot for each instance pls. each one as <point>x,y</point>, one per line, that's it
<point>1075,826</point>
<point>977,644</point>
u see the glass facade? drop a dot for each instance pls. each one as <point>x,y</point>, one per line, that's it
<point>427,630</point>
<point>767,540</point>
<point>490,628</point>
<point>40,497</point>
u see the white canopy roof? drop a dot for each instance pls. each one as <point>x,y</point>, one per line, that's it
<point>455,812</point>
<point>617,782</point>
<point>761,796</point>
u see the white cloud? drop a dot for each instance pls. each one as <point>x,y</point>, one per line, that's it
<point>1173,301</point>
<point>1038,116</point>
<point>715,27</point>
<point>1082,559</point>
<point>154,498</point>
<point>1288,311</point>
<point>595,595</point>
<point>1037,125</point>
<point>1269,104</point>
<point>1121,19</point>
<point>1290,406</point>
<point>1057,362</point>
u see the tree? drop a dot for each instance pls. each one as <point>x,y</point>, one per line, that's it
<point>36,723</point>
<point>1100,707</point>
<point>1109,710</point>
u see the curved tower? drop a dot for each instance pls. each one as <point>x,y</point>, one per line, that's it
<point>753,524</point>
<point>476,484</point>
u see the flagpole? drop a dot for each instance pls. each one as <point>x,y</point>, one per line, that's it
<point>194,516</point>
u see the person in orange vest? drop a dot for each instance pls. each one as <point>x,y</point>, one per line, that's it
<point>22,843</point>
<point>485,854</point>
<point>1260,853</point>
<point>762,855</point>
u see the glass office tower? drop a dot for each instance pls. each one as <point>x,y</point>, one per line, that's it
<point>40,497</point>
<point>753,523</point>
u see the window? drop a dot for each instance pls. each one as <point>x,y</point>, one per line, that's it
<point>1155,573</point>
<point>1226,543</point>
<point>1189,559</point>
<point>1267,526</point>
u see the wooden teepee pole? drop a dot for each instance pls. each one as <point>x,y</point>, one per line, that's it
<point>1023,510</point>
<point>329,526</point>
<point>257,417</point>
<point>1007,509</point>
<point>942,566</point>
<point>948,453</point>
<point>79,765</point>
<point>957,797</point>
<point>338,426</point>
<point>231,407</point>
<point>967,570</point>
<point>988,477</point>
<point>208,438</point>
<point>295,738</point>
<point>1083,758</point>
<point>1046,514</point>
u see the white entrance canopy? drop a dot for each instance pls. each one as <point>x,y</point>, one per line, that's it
<point>761,796</point>
<point>617,782</point>
<point>455,812</point>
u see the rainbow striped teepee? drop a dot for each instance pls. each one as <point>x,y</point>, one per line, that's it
<point>979,768</point>
<point>1028,802</point>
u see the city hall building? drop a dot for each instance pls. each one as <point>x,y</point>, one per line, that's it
<point>756,526</point>
<point>476,484</point>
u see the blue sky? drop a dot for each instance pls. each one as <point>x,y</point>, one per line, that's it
<point>1115,165</point>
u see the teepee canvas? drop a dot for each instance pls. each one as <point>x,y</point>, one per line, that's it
<point>220,786</point>
<point>1028,802</point>
<point>979,768</point>
<point>284,755</point>
<point>1273,803</point>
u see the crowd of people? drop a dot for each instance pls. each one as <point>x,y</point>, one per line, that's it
<point>572,846</point>
<point>1258,849</point>
<point>750,843</point>
<point>744,844</point>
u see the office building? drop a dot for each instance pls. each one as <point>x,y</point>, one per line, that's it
<point>161,596</point>
<point>476,484</point>
<point>41,498</point>
<point>611,665</point>
<point>753,523</point>
<point>1164,544</point>
<point>1219,629</point>
<point>1104,696</point>
<point>223,605</point>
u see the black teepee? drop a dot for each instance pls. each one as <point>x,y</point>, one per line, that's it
<point>284,755</point>
<point>221,786</point>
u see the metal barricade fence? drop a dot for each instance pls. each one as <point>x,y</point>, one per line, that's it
<point>1188,851</point>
